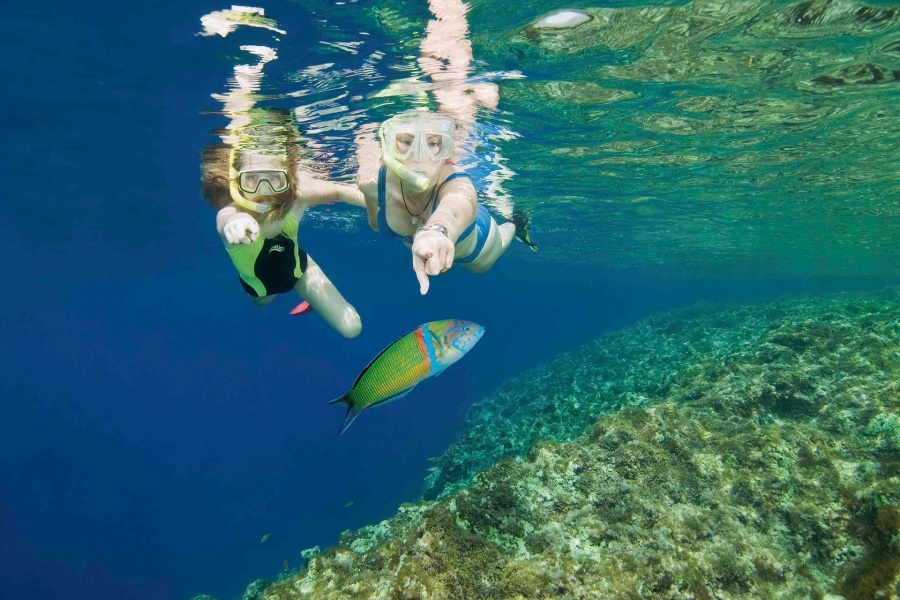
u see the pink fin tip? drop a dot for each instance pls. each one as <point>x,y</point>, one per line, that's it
<point>301,308</point>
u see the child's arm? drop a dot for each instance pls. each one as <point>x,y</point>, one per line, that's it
<point>317,191</point>
<point>369,187</point>
<point>368,154</point>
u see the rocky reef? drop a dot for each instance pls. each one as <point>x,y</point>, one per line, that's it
<point>718,452</point>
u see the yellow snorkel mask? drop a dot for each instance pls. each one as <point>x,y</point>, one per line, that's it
<point>254,181</point>
<point>417,137</point>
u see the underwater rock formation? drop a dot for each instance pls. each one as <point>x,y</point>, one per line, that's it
<point>716,452</point>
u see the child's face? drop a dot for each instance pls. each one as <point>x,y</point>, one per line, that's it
<point>262,175</point>
<point>254,183</point>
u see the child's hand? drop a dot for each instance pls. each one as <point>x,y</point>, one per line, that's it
<point>241,229</point>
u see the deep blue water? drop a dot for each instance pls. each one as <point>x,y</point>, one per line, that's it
<point>154,425</point>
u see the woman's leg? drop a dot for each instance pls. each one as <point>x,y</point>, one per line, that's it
<point>317,289</point>
<point>507,233</point>
<point>498,239</point>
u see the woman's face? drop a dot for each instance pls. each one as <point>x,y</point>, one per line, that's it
<point>422,162</point>
<point>430,168</point>
<point>433,143</point>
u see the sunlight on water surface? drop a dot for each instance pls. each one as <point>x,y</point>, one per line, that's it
<point>705,137</point>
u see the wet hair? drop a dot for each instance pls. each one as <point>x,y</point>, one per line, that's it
<point>270,131</point>
<point>214,180</point>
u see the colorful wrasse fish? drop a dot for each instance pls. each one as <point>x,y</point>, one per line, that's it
<point>423,352</point>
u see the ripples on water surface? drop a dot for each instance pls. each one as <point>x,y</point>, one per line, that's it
<point>747,135</point>
<point>709,136</point>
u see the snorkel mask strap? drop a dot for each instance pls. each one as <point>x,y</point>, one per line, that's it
<point>417,180</point>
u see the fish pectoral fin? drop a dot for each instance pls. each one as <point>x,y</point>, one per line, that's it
<point>395,396</point>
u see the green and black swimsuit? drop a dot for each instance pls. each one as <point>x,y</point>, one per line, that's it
<point>271,266</point>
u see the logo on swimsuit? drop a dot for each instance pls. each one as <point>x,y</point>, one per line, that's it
<point>276,248</point>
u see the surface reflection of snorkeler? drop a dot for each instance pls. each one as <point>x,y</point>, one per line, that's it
<point>261,195</point>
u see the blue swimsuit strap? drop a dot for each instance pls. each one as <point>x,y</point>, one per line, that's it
<point>482,225</point>
<point>383,227</point>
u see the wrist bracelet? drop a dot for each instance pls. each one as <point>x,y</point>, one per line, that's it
<point>435,227</point>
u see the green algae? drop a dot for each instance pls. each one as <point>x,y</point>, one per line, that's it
<point>736,452</point>
<point>679,356</point>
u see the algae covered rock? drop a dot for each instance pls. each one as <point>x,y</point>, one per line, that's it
<point>749,453</point>
<point>675,355</point>
<point>255,590</point>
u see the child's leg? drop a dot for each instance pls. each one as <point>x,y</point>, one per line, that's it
<point>262,301</point>
<point>317,289</point>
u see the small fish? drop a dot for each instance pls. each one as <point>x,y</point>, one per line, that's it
<point>264,538</point>
<point>422,353</point>
<point>285,564</point>
<point>349,504</point>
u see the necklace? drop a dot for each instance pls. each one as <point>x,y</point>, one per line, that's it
<point>414,217</point>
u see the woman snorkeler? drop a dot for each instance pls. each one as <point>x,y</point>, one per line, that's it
<point>415,192</point>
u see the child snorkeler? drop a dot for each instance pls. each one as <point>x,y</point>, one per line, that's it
<point>261,193</point>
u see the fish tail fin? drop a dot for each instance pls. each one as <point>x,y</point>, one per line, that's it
<point>345,399</point>
<point>352,412</point>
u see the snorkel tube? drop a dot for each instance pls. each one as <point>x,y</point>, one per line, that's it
<point>257,207</point>
<point>417,180</point>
